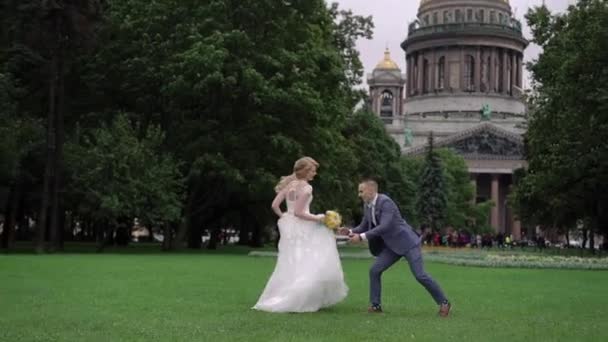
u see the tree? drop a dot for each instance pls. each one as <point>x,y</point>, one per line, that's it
<point>239,90</point>
<point>9,141</point>
<point>347,29</point>
<point>379,157</point>
<point>568,127</point>
<point>20,137</point>
<point>432,191</point>
<point>120,177</point>
<point>44,38</point>
<point>460,193</point>
<point>220,75</point>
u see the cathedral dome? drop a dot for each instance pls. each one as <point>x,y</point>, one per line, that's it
<point>387,62</point>
<point>434,5</point>
<point>424,2</point>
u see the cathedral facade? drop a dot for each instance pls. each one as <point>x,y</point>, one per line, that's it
<point>463,82</point>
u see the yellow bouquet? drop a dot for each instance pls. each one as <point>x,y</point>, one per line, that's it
<point>332,220</point>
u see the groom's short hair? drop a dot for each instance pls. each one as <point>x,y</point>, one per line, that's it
<point>370,182</point>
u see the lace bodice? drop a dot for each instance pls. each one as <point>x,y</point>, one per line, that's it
<point>298,194</point>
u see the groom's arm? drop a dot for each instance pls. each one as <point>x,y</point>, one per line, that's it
<point>388,209</point>
<point>363,226</point>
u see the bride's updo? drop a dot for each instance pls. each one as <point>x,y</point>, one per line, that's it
<point>300,169</point>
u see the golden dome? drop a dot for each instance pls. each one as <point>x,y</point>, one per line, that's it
<point>422,2</point>
<point>387,62</point>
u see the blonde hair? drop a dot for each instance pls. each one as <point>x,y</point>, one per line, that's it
<point>300,169</point>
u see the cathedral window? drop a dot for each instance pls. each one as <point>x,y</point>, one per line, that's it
<point>387,98</point>
<point>386,108</point>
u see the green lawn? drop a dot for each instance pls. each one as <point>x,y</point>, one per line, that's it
<point>198,297</point>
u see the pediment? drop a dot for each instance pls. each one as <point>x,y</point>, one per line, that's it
<point>488,143</point>
<point>485,141</point>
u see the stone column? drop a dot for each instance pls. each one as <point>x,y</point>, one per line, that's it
<point>446,70</point>
<point>504,72</point>
<point>461,69</point>
<point>494,218</point>
<point>513,71</point>
<point>410,74</point>
<point>473,177</point>
<point>407,74</point>
<point>478,62</point>
<point>372,94</point>
<point>492,70</point>
<point>420,72</point>
<point>432,73</point>
<point>415,72</point>
<point>520,71</point>
<point>400,106</point>
<point>515,228</point>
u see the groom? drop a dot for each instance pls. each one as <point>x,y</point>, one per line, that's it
<point>390,238</point>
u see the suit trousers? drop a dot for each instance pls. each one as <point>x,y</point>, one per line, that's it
<point>386,259</point>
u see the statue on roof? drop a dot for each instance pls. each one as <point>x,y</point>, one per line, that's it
<point>486,112</point>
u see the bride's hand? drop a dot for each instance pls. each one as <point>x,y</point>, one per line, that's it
<point>343,231</point>
<point>320,217</point>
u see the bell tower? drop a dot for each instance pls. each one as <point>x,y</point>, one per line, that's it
<point>386,87</point>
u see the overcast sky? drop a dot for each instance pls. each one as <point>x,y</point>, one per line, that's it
<point>391,18</point>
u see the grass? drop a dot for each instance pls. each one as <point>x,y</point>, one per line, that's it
<point>207,297</point>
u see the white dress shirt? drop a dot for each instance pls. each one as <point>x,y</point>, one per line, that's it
<point>371,205</point>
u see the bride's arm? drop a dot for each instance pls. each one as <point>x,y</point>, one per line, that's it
<point>276,203</point>
<point>300,207</point>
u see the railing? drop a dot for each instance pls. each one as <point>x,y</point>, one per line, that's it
<point>513,28</point>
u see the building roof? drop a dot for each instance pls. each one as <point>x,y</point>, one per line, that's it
<point>387,62</point>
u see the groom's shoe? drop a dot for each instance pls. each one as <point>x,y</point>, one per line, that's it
<point>444,309</point>
<point>374,308</point>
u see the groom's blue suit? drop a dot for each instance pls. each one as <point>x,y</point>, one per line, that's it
<point>390,239</point>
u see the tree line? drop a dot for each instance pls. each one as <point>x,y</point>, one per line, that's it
<point>184,114</point>
<point>564,188</point>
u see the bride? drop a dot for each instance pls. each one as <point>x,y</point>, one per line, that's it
<point>308,273</point>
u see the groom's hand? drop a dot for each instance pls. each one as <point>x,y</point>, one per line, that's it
<point>343,231</point>
<point>355,238</point>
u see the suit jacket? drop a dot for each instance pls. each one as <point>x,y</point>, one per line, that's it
<point>391,230</point>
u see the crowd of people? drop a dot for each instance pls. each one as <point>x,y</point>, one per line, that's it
<point>463,238</point>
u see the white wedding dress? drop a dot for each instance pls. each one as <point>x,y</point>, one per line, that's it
<point>308,274</point>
